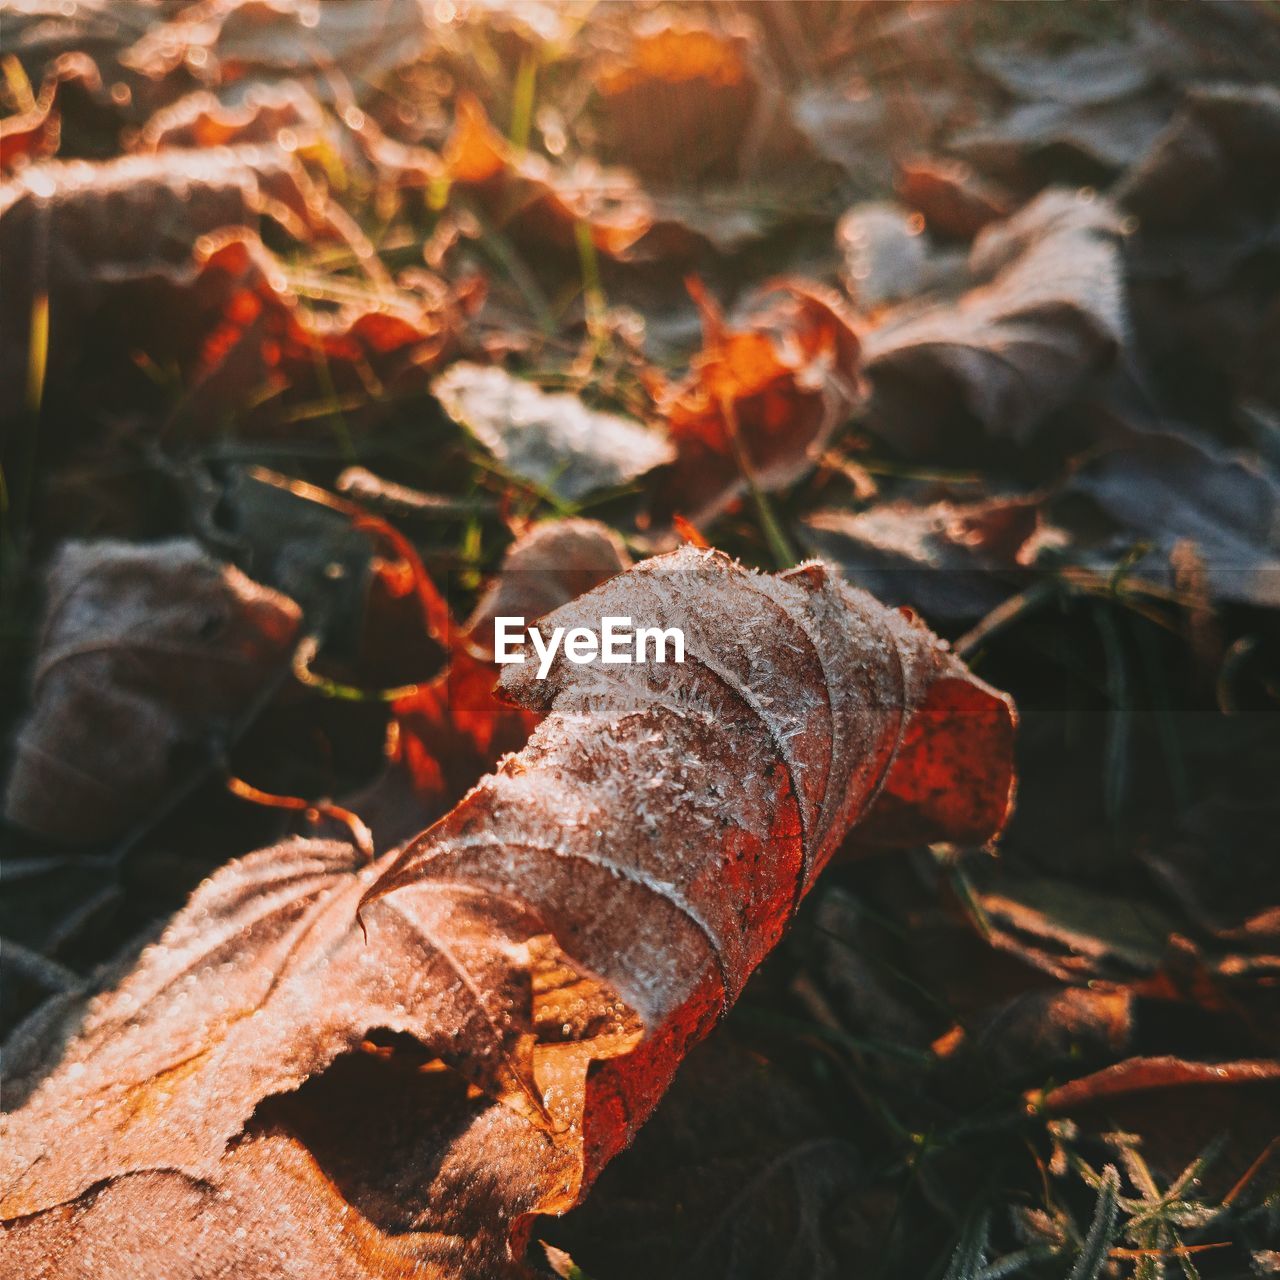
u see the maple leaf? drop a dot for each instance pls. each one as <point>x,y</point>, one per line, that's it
<point>661,824</point>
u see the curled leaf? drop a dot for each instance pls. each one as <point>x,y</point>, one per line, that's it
<point>662,823</point>
<point>737,793</point>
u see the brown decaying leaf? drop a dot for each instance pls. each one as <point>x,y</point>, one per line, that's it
<point>662,823</point>
<point>694,78</point>
<point>1072,931</point>
<point>1180,1107</point>
<point>266,114</point>
<point>223,41</point>
<point>946,559</point>
<point>113,695</point>
<point>123,230</point>
<point>550,439</point>
<point>256,335</point>
<point>953,200</point>
<point>535,203</point>
<point>762,398</point>
<point>159,253</point>
<point>1162,490</point>
<point>1136,1075</point>
<point>1007,353</point>
<point>34,134</point>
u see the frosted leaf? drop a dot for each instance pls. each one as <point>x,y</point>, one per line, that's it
<point>552,440</point>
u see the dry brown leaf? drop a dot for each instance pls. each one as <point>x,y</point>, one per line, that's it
<point>1008,353</point>
<point>268,114</point>
<point>1136,1075</point>
<point>1180,1107</point>
<point>1073,931</point>
<point>158,263</point>
<point>257,337</point>
<point>168,1068</point>
<point>113,691</point>
<point>537,204</point>
<point>694,78</point>
<point>549,439</point>
<point>662,823</point>
<point>953,200</point>
<point>946,559</point>
<point>124,231</point>
<point>221,41</point>
<point>1159,491</point>
<point>761,399</point>
<point>1043,1032</point>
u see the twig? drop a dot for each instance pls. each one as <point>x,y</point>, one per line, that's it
<point>312,810</point>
